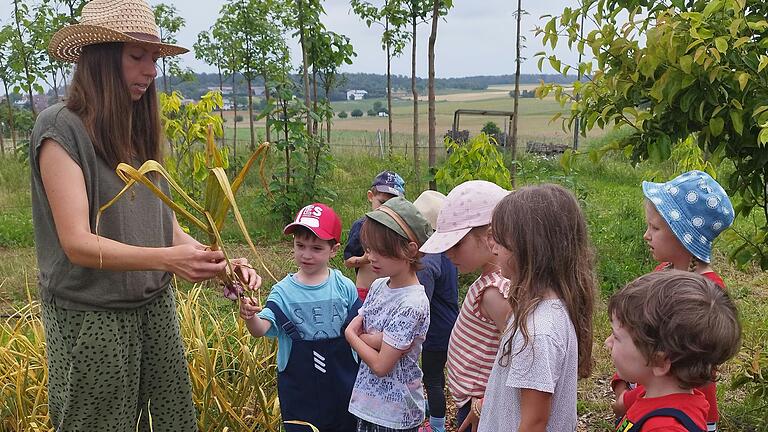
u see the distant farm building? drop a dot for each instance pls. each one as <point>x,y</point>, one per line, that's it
<point>356,94</point>
<point>257,91</point>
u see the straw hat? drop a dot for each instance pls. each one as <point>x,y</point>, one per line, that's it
<point>110,21</point>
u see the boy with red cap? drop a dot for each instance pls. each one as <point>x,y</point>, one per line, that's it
<point>307,312</point>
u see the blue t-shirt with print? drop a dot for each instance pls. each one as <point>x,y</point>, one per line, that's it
<point>318,311</point>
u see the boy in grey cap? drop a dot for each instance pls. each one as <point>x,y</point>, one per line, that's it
<point>386,185</point>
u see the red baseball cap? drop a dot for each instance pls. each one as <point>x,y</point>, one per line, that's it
<point>318,218</point>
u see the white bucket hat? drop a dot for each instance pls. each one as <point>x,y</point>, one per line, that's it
<point>105,21</point>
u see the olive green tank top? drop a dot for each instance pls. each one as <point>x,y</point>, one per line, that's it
<point>139,218</point>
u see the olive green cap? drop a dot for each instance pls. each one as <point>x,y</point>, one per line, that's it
<point>401,216</point>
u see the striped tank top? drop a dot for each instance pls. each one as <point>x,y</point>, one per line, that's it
<point>474,342</point>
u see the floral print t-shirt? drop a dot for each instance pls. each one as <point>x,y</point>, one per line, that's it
<point>395,400</point>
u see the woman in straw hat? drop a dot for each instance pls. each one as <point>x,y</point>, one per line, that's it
<point>115,355</point>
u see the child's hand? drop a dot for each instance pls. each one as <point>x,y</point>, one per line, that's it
<point>473,420</point>
<point>355,327</point>
<point>248,308</point>
<point>249,275</point>
<point>618,405</point>
<point>373,340</point>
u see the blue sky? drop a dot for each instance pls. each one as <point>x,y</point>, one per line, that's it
<point>476,38</point>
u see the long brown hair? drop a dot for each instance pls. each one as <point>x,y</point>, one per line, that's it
<point>545,231</point>
<point>121,130</point>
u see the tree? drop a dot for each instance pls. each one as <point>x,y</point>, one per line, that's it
<point>700,74</point>
<point>258,44</point>
<point>490,128</point>
<point>437,7</point>
<point>417,11</point>
<point>392,18</point>
<point>307,20</point>
<point>230,63</point>
<point>328,52</point>
<point>357,112</point>
<point>343,114</point>
<point>169,23</point>
<point>208,49</point>
<point>518,15</point>
<point>8,77</point>
<point>26,59</point>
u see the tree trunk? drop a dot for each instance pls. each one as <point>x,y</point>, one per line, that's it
<point>431,90</point>
<point>221,90</point>
<point>10,115</point>
<point>328,84</point>
<point>513,168</point>
<point>234,105</point>
<point>578,120</point>
<point>165,77</point>
<point>284,105</point>
<point>304,65</point>
<point>389,89</point>
<point>27,73</point>
<point>268,98</point>
<point>64,80</point>
<point>415,102</point>
<point>250,114</point>
<point>54,77</point>
<point>314,97</point>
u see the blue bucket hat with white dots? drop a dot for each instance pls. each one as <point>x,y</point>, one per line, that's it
<point>696,208</point>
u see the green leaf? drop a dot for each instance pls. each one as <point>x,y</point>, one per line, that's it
<point>743,80</point>
<point>722,44</point>
<point>716,126</point>
<point>555,63</point>
<point>763,63</point>
<point>741,41</point>
<point>759,110</point>
<point>736,119</point>
<point>762,138</point>
<point>685,63</point>
<point>712,7</point>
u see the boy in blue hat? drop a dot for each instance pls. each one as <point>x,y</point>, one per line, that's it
<point>386,185</point>
<point>684,216</point>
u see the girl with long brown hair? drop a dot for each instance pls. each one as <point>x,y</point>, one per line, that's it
<point>115,356</point>
<point>540,236</point>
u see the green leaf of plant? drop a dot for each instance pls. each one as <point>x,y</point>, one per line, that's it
<point>743,80</point>
<point>763,63</point>
<point>685,63</point>
<point>716,126</point>
<point>736,119</point>
<point>722,44</point>
<point>555,63</point>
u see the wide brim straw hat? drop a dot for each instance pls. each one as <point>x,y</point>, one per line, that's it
<point>104,21</point>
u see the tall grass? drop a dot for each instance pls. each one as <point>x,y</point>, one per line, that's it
<point>233,375</point>
<point>15,207</point>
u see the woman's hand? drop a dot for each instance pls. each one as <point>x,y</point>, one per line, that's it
<point>194,262</point>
